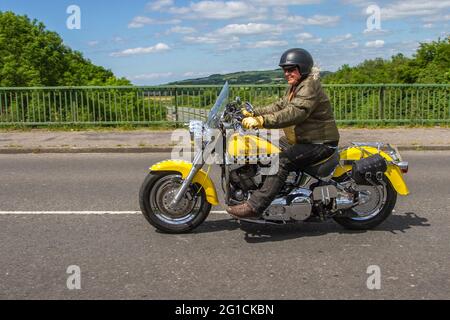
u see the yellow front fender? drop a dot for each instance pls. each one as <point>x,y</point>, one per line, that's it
<point>184,167</point>
<point>393,173</point>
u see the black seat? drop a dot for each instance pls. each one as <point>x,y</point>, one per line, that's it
<point>325,167</point>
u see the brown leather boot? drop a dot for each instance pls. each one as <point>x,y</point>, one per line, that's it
<point>243,210</point>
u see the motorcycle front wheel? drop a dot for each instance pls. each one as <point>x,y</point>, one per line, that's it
<point>381,202</point>
<point>156,194</point>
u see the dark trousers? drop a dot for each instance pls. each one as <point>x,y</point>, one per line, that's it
<point>296,157</point>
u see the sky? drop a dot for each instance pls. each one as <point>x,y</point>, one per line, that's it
<point>160,41</point>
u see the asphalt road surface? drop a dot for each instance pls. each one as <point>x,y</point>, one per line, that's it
<point>122,257</point>
<point>184,114</point>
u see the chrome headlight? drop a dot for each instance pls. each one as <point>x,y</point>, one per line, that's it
<point>196,128</point>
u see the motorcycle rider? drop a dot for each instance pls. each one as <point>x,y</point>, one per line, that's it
<point>305,115</point>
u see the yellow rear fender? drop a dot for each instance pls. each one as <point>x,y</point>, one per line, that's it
<point>393,172</point>
<point>183,167</point>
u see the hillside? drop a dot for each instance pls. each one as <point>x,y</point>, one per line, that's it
<point>244,77</point>
<point>30,55</point>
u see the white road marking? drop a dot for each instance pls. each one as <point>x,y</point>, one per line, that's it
<point>78,212</point>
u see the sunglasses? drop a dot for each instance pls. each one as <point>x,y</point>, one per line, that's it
<point>290,69</point>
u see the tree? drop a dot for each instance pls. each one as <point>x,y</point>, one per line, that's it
<point>430,64</point>
<point>30,55</point>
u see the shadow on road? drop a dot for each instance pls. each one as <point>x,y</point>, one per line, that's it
<point>256,233</point>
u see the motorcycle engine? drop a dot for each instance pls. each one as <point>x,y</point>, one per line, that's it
<point>243,180</point>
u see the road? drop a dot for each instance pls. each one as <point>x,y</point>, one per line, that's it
<point>184,114</point>
<point>123,257</point>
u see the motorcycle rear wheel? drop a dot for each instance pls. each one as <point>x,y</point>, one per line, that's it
<point>155,195</point>
<point>369,216</point>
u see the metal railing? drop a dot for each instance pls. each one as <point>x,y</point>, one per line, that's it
<point>384,103</point>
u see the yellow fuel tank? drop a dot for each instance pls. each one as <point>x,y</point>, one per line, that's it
<point>250,146</point>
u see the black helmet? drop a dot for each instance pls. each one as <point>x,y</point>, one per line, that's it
<point>297,57</point>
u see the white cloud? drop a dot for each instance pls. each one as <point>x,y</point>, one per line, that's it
<point>220,9</point>
<point>179,10</point>
<point>375,44</point>
<point>315,20</point>
<point>426,10</point>
<point>414,8</point>
<point>228,37</point>
<point>181,30</point>
<point>118,39</point>
<point>307,37</point>
<point>141,21</point>
<point>217,10</point>
<point>245,29</point>
<point>375,32</point>
<point>221,42</point>
<point>93,43</point>
<point>150,76</point>
<point>317,40</point>
<point>209,39</point>
<point>267,44</point>
<point>340,38</point>
<point>280,13</point>
<point>227,46</point>
<point>356,2</point>
<point>321,20</point>
<point>224,9</point>
<point>252,10</point>
<point>436,18</point>
<point>200,40</point>
<point>160,47</point>
<point>159,4</point>
<point>352,45</point>
<point>283,3</point>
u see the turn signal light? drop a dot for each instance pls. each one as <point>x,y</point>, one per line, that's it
<point>403,166</point>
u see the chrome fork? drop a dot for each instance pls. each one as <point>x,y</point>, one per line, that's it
<point>197,165</point>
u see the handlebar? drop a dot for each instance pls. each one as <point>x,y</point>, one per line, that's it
<point>249,107</point>
<point>235,116</point>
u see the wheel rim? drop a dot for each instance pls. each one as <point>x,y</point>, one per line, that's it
<point>162,194</point>
<point>376,198</point>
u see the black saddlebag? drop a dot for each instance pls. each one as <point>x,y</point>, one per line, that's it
<point>368,169</point>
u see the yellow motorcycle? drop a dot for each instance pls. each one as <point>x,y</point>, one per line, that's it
<point>356,186</point>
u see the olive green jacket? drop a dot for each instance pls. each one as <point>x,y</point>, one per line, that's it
<point>307,118</point>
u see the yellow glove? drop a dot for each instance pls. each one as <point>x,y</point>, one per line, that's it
<point>246,113</point>
<point>253,122</point>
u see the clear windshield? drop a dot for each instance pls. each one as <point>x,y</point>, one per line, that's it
<point>218,109</point>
